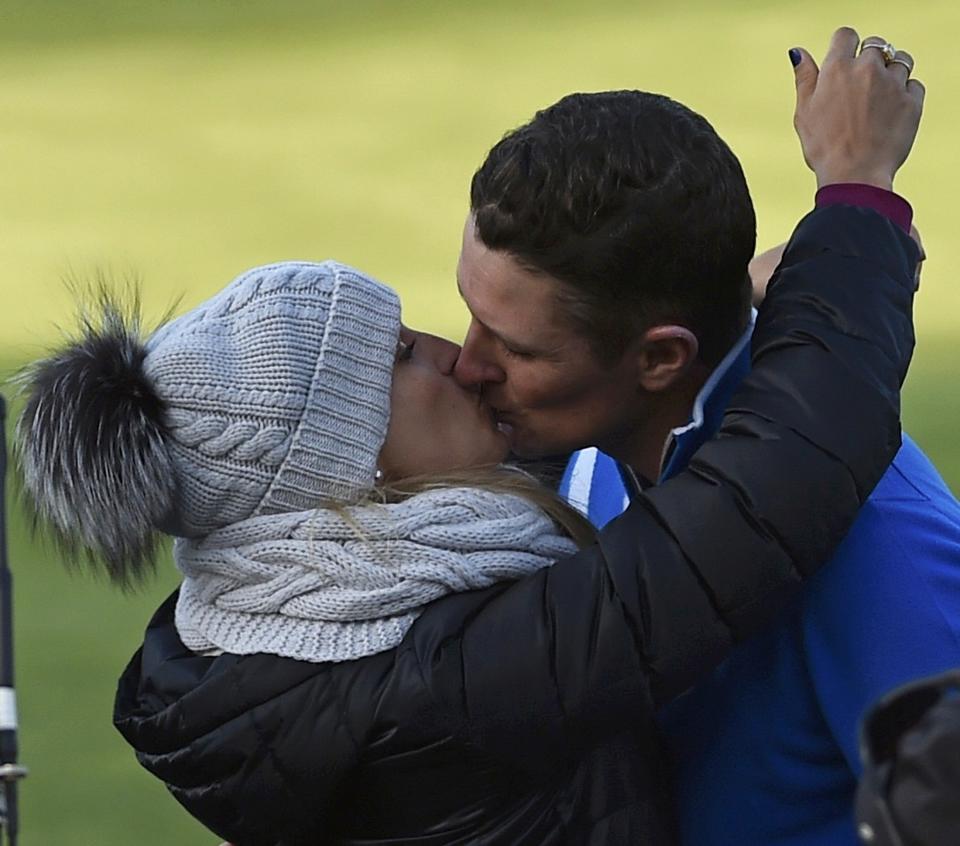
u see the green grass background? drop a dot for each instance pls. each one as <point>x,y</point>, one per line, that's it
<point>183,141</point>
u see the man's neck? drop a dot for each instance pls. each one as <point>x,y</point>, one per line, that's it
<point>643,449</point>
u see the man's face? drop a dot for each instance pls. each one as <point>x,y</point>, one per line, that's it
<point>548,389</point>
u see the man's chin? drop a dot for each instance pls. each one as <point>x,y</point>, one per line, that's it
<point>527,446</point>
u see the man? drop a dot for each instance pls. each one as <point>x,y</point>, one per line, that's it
<point>605,267</point>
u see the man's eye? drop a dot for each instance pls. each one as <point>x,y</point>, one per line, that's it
<point>511,353</point>
<point>405,349</point>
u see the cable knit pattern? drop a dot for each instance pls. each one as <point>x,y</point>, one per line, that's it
<point>218,437</point>
<point>329,585</point>
<point>276,393</point>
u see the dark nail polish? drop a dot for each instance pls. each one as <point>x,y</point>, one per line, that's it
<point>795,56</point>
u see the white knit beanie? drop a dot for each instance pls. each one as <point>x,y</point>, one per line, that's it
<point>276,392</point>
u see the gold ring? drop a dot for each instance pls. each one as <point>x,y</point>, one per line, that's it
<point>886,48</point>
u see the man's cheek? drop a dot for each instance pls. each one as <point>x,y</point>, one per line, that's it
<point>550,396</point>
<point>536,386</point>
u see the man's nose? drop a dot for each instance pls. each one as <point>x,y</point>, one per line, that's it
<point>477,362</point>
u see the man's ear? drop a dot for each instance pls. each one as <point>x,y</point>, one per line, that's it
<point>665,355</point>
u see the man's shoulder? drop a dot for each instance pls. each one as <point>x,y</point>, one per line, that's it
<point>912,477</point>
<point>902,553</point>
<point>910,510</point>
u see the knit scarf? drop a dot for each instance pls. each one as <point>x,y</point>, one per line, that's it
<point>334,585</point>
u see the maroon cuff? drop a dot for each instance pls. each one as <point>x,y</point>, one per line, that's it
<point>891,206</point>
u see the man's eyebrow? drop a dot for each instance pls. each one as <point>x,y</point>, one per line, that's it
<point>510,343</point>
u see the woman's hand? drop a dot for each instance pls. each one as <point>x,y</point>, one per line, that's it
<point>761,270</point>
<point>858,115</point>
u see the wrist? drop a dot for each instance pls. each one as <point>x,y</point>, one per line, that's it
<point>883,181</point>
<point>892,206</point>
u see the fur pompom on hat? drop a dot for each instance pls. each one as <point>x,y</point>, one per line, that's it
<point>273,396</point>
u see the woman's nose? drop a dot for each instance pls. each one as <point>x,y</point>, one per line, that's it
<point>443,353</point>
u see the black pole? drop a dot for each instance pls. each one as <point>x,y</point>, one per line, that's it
<point>10,771</point>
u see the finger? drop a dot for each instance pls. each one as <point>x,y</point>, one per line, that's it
<point>901,65</point>
<point>918,272</point>
<point>915,234</point>
<point>805,73</point>
<point>872,49</point>
<point>844,44</point>
<point>917,91</point>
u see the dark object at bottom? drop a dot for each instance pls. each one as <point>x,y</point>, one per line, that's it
<point>909,794</point>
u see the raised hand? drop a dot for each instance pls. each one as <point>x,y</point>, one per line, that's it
<point>857,116</point>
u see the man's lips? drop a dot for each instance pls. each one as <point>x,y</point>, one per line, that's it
<point>497,420</point>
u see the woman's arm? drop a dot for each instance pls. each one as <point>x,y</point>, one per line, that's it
<point>587,647</point>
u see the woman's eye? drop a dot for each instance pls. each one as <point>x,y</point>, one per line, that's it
<point>405,349</point>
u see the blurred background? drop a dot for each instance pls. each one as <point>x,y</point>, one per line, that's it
<point>184,141</point>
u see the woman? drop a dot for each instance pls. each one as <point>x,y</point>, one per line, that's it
<point>327,481</point>
<point>250,426</point>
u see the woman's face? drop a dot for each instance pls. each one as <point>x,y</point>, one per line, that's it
<point>435,425</point>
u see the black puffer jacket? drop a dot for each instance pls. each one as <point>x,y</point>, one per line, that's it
<point>523,714</point>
